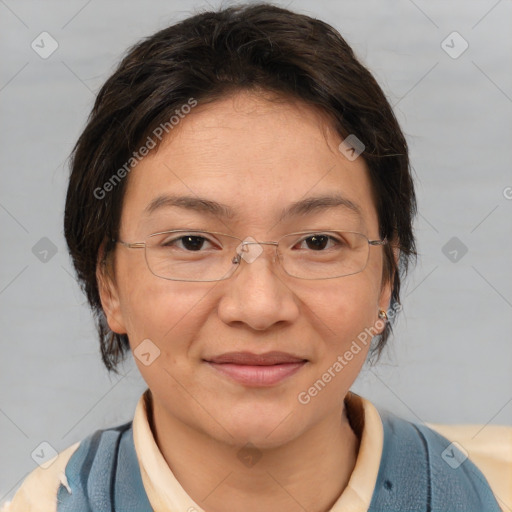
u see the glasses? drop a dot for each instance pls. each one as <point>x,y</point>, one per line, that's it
<point>185,255</point>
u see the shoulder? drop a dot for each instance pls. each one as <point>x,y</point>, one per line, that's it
<point>422,470</point>
<point>76,471</point>
<point>490,448</point>
<point>38,492</point>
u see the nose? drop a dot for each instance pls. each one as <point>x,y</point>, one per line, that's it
<point>258,294</point>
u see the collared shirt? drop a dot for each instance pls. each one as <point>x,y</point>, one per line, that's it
<point>165,492</point>
<point>492,452</point>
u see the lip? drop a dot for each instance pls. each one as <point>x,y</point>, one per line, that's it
<point>257,370</point>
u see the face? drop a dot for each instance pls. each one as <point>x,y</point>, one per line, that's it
<point>256,157</point>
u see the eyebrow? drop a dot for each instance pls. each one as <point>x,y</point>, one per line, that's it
<point>208,206</point>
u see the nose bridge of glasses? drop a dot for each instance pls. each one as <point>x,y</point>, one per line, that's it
<point>251,249</point>
<point>255,242</point>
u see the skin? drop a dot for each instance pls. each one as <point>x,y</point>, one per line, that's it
<point>256,156</point>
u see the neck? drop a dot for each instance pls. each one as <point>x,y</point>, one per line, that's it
<point>308,473</point>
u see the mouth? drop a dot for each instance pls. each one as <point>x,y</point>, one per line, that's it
<point>257,370</point>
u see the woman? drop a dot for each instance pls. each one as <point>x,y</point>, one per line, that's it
<point>239,214</point>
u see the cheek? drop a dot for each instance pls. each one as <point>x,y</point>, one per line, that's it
<point>347,307</point>
<point>342,314</point>
<point>345,314</point>
<point>159,309</point>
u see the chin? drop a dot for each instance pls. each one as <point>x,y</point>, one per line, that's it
<point>263,426</point>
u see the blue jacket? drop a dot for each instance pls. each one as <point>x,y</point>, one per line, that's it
<point>420,471</point>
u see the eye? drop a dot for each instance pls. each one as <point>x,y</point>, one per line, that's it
<point>189,242</point>
<point>320,241</point>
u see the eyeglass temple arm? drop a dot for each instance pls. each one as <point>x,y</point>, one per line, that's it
<point>378,242</point>
<point>133,245</point>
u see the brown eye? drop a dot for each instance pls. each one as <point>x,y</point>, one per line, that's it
<point>317,242</point>
<point>188,242</point>
<point>193,243</point>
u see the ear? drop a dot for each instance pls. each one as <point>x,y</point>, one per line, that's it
<point>387,286</point>
<point>109,296</point>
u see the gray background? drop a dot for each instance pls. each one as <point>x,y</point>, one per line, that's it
<point>450,359</point>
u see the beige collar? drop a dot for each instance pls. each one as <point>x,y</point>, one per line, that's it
<point>165,492</point>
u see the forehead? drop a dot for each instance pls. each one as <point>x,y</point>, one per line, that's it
<point>254,155</point>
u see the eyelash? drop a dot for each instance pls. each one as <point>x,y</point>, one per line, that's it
<point>172,242</point>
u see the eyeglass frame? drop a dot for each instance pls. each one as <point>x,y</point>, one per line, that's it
<point>237,259</point>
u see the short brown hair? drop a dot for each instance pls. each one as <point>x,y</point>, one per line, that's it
<point>206,57</point>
